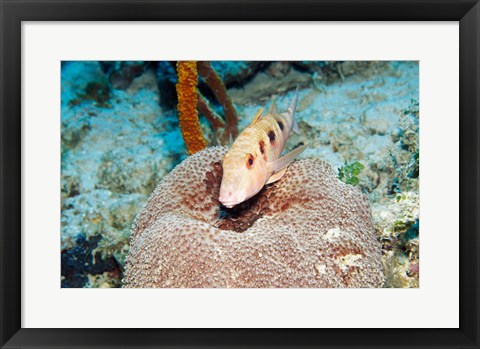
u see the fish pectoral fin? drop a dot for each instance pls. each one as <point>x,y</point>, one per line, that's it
<point>273,107</point>
<point>276,176</point>
<point>257,116</point>
<point>284,161</point>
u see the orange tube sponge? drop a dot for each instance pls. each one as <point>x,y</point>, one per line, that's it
<point>218,87</point>
<point>187,106</point>
<point>214,119</point>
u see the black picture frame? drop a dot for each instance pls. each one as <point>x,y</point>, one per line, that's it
<point>13,12</point>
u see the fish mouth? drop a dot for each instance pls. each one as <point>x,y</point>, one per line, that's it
<point>230,201</point>
<point>228,204</point>
<point>230,197</point>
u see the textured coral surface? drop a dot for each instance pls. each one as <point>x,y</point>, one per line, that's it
<point>306,230</point>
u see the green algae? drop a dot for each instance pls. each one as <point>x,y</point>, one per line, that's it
<point>348,173</point>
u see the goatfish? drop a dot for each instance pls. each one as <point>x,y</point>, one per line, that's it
<point>254,158</point>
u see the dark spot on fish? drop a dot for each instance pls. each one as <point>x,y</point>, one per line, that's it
<point>262,147</point>
<point>271,136</point>
<point>280,124</point>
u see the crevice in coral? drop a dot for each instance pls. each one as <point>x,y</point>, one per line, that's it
<point>242,216</point>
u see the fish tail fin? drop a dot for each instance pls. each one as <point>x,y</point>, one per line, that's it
<point>295,127</point>
<point>293,105</point>
<point>291,112</point>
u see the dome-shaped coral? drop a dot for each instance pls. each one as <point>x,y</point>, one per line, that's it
<point>306,230</point>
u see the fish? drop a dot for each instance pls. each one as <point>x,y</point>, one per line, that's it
<point>254,157</point>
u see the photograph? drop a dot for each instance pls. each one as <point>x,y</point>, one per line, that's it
<point>240,174</point>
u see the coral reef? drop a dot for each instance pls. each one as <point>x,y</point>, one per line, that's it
<point>397,216</point>
<point>397,224</point>
<point>187,106</point>
<point>306,230</point>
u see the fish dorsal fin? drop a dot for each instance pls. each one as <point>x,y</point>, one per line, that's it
<point>257,116</point>
<point>284,161</point>
<point>273,107</point>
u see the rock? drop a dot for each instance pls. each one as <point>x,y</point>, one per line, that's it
<point>306,230</point>
<point>263,86</point>
<point>235,72</point>
<point>121,74</point>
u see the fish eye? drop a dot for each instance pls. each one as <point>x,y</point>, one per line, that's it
<point>249,161</point>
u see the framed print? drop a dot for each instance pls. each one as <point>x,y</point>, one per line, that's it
<point>239,174</point>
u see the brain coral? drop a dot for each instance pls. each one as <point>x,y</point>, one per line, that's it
<point>306,230</point>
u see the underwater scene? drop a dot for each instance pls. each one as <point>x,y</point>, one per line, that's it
<point>240,174</point>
